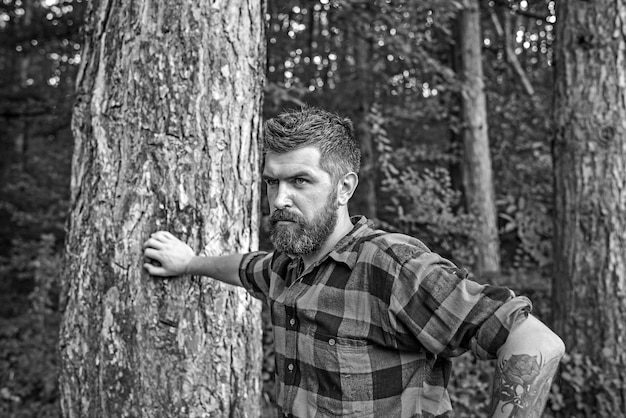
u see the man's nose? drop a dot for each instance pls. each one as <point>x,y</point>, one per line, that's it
<point>282,199</point>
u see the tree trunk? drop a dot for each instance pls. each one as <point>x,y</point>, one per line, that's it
<point>478,178</point>
<point>364,97</point>
<point>166,125</point>
<point>24,70</point>
<point>589,153</point>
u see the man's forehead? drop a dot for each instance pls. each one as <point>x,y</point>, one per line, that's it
<point>288,169</point>
<point>302,159</point>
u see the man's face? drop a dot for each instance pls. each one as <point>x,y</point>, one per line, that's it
<point>302,199</point>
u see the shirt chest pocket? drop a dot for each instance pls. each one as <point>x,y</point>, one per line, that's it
<point>345,356</point>
<point>339,371</point>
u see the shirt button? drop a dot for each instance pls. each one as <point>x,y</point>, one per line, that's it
<point>292,322</point>
<point>331,341</point>
<point>290,367</point>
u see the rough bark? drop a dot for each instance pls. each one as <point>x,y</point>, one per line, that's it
<point>590,187</point>
<point>166,126</point>
<point>478,177</point>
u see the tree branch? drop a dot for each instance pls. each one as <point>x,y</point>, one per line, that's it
<point>511,57</point>
<point>505,4</point>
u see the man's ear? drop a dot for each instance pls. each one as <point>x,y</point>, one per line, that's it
<point>346,187</point>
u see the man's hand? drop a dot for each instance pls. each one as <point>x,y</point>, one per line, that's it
<point>172,254</point>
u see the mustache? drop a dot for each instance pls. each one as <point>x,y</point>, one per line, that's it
<point>283,215</point>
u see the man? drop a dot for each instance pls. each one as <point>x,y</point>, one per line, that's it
<point>365,321</point>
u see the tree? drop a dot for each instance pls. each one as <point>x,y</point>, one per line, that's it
<point>478,177</point>
<point>365,99</point>
<point>166,124</point>
<point>589,152</point>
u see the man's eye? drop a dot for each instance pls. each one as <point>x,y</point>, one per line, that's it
<point>299,181</point>
<point>271,182</point>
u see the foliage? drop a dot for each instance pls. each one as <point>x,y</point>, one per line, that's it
<point>470,386</point>
<point>586,388</point>
<point>526,231</point>
<point>424,204</point>
<point>28,332</point>
<point>521,153</point>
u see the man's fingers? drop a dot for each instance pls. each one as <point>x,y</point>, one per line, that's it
<point>153,254</point>
<point>159,236</point>
<point>154,270</point>
<point>154,243</point>
<point>168,235</point>
<point>162,236</point>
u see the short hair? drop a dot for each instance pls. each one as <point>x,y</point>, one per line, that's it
<point>332,134</point>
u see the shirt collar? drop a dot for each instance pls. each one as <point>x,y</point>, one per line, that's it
<point>346,250</point>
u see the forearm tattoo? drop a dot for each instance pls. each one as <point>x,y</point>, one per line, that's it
<point>521,386</point>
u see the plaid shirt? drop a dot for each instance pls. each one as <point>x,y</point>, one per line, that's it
<point>368,330</point>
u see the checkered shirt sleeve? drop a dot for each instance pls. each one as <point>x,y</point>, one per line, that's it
<point>433,301</point>
<point>255,277</point>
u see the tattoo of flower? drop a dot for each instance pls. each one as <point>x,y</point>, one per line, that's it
<point>517,374</point>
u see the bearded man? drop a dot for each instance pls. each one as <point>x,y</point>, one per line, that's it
<point>365,322</point>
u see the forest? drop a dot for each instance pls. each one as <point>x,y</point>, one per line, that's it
<point>492,130</point>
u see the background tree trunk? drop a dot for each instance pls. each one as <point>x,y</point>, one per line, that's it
<point>166,125</point>
<point>365,97</point>
<point>24,72</point>
<point>478,177</point>
<point>589,154</point>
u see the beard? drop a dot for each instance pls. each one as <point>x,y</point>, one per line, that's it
<point>302,236</point>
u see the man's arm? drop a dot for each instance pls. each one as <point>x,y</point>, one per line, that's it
<point>176,258</point>
<point>527,363</point>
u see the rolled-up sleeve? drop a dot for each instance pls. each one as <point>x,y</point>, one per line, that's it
<point>492,334</point>
<point>435,303</point>
<point>254,272</point>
